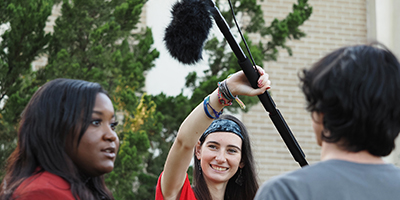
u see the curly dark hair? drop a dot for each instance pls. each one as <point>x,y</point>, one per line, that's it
<point>357,88</point>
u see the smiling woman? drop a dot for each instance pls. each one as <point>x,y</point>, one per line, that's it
<point>223,155</point>
<point>66,143</point>
<point>224,166</point>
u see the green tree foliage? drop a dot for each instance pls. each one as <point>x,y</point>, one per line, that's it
<point>223,62</point>
<point>138,127</point>
<point>93,40</point>
<point>23,39</point>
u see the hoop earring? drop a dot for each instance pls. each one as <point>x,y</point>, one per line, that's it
<point>239,180</point>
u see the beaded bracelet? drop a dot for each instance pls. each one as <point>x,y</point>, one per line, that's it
<point>223,87</point>
<point>222,99</point>
<point>225,91</point>
<point>206,104</point>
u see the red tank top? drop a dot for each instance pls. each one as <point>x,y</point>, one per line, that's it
<point>186,194</point>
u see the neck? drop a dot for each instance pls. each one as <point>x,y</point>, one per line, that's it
<point>217,190</point>
<point>334,151</point>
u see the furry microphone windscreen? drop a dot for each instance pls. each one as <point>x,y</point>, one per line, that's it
<point>186,34</point>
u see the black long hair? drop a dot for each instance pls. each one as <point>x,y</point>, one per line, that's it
<point>58,112</point>
<point>357,88</point>
<point>233,191</point>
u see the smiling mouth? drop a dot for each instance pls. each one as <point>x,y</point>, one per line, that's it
<point>221,169</point>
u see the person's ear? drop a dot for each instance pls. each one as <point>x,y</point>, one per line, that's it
<point>317,117</point>
<point>241,165</point>
<point>198,150</point>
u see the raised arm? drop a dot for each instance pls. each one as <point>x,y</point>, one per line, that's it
<point>192,128</point>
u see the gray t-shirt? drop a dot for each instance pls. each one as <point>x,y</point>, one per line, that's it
<point>335,180</point>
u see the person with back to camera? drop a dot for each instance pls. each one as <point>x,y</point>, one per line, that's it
<point>223,161</point>
<point>353,96</point>
<point>66,143</point>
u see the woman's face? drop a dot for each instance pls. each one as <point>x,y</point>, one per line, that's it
<point>220,156</point>
<point>98,147</point>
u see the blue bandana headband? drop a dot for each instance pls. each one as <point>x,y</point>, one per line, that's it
<point>222,125</point>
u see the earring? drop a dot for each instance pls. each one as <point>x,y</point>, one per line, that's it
<point>200,168</point>
<point>239,180</point>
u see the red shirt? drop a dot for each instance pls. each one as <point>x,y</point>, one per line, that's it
<point>44,186</point>
<point>186,193</point>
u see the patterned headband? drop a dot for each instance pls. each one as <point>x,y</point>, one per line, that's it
<point>222,125</point>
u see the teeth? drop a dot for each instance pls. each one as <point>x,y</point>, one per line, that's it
<point>108,151</point>
<point>220,168</point>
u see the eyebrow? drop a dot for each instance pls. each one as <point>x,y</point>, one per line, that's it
<point>229,145</point>
<point>101,113</point>
<point>98,112</point>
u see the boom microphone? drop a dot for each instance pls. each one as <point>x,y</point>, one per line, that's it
<point>186,34</point>
<point>185,38</point>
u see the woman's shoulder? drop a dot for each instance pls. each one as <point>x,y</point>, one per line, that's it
<point>44,185</point>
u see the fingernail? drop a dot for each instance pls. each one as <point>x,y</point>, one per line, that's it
<point>267,88</point>
<point>260,83</point>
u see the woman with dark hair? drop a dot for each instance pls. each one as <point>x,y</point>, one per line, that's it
<point>224,165</point>
<point>243,184</point>
<point>66,143</point>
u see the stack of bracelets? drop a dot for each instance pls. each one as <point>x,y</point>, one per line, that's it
<point>225,98</point>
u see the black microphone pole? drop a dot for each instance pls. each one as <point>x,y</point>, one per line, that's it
<point>266,100</point>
